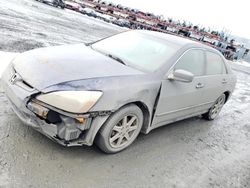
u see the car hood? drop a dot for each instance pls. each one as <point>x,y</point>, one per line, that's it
<point>45,67</point>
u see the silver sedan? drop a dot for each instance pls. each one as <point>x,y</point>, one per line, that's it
<point>109,91</point>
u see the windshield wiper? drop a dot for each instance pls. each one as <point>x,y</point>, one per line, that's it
<point>109,55</point>
<point>116,58</point>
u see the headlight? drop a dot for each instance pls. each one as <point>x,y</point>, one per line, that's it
<point>71,101</point>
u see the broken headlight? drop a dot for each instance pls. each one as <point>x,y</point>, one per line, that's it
<point>71,101</point>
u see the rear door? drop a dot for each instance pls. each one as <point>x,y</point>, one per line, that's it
<point>179,99</point>
<point>216,78</point>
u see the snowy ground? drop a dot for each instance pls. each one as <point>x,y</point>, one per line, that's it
<point>27,24</point>
<point>240,66</point>
<point>190,153</point>
<point>5,59</point>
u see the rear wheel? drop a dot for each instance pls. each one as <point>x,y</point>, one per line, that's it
<point>215,109</point>
<point>120,130</point>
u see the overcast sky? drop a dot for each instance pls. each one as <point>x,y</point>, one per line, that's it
<point>230,14</point>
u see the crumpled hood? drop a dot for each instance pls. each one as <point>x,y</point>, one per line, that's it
<point>45,67</point>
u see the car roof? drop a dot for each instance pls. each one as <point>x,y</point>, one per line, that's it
<point>175,39</point>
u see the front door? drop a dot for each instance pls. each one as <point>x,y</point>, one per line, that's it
<point>180,99</point>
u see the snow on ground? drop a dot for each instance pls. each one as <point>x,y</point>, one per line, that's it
<point>28,24</point>
<point>244,63</point>
<point>5,59</point>
<point>240,66</point>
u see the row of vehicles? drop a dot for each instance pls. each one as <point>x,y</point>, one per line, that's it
<point>135,19</point>
<point>87,11</point>
<point>62,4</point>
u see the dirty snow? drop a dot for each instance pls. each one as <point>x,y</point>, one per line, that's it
<point>27,24</point>
<point>189,153</point>
<point>5,59</point>
<point>241,62</point>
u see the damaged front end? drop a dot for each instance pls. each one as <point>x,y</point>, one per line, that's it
<point>66,128</point>
<point>69,129</point>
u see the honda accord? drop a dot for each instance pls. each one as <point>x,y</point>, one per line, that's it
<point>109,91</point>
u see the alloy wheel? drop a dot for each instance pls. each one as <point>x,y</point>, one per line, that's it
<point>217,107</point>
<point>124,131</point>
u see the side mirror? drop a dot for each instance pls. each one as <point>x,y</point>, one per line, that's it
<point>181,75</point>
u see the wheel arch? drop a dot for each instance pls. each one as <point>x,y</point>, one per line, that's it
<point>146,115</point>
<point>146,120</point>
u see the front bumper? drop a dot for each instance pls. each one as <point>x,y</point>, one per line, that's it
<point>67,132</point>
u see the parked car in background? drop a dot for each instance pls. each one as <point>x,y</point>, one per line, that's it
<point>46,1</point>
<point>55,3</point>
<point>108,18</point>
<point>109,91</point>
<point>88,12</point>
<point>122,23</point>
<point>184,32</point>
<point>59,3</point>
<point>72,6</point>
<point>105,17</point>
<point>196,36</point>
<point>100,16</point>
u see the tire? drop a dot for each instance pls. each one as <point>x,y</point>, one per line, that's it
<point>120,130</point>
<point>215,109</point>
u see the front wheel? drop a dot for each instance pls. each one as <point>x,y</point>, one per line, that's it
<point>120,130</point>
<point>215,109</point>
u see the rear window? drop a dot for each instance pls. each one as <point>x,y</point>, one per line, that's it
<point>215,64</point>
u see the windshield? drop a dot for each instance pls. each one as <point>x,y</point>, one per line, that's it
<point>137,50</point>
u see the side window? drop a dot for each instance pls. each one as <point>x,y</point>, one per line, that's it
<point>192,61</point>
<point>215,64</point>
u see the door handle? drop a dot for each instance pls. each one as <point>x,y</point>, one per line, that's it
<point>224,81</point>
<point>199,85</point>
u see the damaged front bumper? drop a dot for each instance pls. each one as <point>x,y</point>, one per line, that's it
<point>65,129</point>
